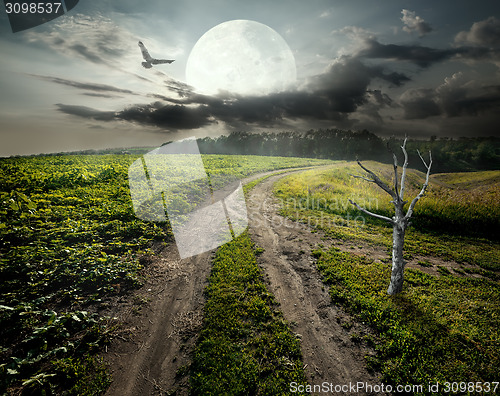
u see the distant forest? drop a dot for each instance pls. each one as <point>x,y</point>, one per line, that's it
<point>449,155</point>
<point>463,154</point>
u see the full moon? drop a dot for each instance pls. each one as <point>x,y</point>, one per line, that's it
<point>242,57</point>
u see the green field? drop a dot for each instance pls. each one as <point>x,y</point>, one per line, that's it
<point>442,327</point>
<point>69,236</point>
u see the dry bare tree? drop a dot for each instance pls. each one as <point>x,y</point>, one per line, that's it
<point>400,220</point>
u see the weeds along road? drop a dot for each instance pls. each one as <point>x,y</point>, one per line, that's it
<point>291,275</point>
<point>161,321</point>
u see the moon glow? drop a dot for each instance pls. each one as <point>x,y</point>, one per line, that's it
<point>242,57</point>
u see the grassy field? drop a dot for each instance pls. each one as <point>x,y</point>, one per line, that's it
<point>68,237</point>
<point>440,328</point>
<point>458,219</point>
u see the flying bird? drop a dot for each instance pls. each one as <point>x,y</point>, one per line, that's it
<point>151,61</point>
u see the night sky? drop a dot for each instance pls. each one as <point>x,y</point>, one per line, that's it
<point>420,68</point>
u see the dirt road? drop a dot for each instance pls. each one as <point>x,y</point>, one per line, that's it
<point>161,320</point>
<point>327,348</point>
<point>159,327</point>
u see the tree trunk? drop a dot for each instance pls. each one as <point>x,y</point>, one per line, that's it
<point>400,219</point>
<point>398,263</point>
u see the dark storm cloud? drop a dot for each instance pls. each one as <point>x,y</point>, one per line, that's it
<point>368,114</point>
<point>482,100</point>
<point>484,33</point>
<point>169,116</point>
<point>419,104</point>
<point>421,56</point>
<point>332,95</point>
<point>180,88</point>
<point>84,86</point>
<point>424,56</point>
<point>380,98</point>
<point>414,23</point>
<point>86,112</point>
<point>86,53</point>
<point>344,85</point>
<point>478,53</point>
<point>340,94</point>
<point>339,90</point>
<point>457,97</point>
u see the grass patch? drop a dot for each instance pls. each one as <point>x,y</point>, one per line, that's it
<point>245,345</point>
<point>438,329</point>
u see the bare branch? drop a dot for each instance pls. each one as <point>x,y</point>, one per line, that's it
<point>405,165</point>
<point>395,173</point>
<point>372,214</point>
<point>362,178</point>
<point>420,155</point>
<point>377,181</point>
<point>424,187</point>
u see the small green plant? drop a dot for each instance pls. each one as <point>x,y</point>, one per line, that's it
<point>356,338</point>
<point>424,263</point>
<point>182,370</point>
<point>84,376</point>
<point>443,270</point>
<point>346,325</point>
<point>259,251</point>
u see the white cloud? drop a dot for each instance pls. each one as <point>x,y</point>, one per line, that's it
<point>357,39</point>
<point>91,38</point>
<point>326,13</point>
<point>414,23</point>
<point>355,33</point>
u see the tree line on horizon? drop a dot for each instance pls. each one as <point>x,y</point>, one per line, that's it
<point>449,155</point>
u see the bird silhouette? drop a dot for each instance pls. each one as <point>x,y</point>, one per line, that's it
<point>149,61</point>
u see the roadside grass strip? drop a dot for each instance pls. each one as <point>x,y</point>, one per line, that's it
<point>439,329</point>
<point>245,347</point>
